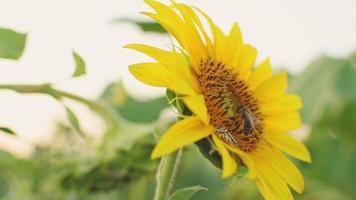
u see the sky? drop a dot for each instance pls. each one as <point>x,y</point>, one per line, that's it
<point>291,33</point>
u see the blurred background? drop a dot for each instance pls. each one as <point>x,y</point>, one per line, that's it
<point>68,149</point>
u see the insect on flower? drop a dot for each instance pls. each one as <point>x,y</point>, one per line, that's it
<point>243,108</point>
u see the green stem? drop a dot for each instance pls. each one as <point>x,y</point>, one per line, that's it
<point>166,175</point>
<point>168,167</point>
<point>107,115</point>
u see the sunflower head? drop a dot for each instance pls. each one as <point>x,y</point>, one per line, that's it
<point>243,108</point>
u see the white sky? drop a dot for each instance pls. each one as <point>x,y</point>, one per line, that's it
<point>290,32</point>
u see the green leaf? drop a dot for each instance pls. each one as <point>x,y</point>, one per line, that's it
<point>352,59</point>
<point>325,81</point>
<point>207,149</point>
<point>74,120</point>
<point>327,88</point>
<point>332,151</point>
<point>12,44</point>
<point>7,130</point>
<point>133,110</point>
<point>80,67</point>
<point>186,193</point>
<point>145,26</point>
<point>340,119</point>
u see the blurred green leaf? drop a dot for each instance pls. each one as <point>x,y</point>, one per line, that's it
<point>146,26</point>
<point>340,119</point>
<point>59,172</point>
<point>186,193</point>
<point>327,88</point>
<point>128,165</point>
<point>352,58</point>
<point>12,44</point>
<point>124,138</point>
<point>325,81</point>
<point>80,67</point>
<point>139,111</point>
<point>7,130</point>
<point>334,159</point>
<point>74,121</point>
<point>316,189</point>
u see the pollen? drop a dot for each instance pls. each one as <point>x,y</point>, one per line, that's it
<point>233,111</point>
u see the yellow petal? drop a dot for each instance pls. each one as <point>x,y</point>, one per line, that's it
<point>272,88</point>
<point>170,27</point>
<point>270,183</point>
<point>282,122</point>
<point>244,60</point>
<point>155,74</point>
<point>190,19</point>
<point>235,36</point>
<point>151,74</point>
<point>184,132</point>
<point>220,40</point>
<point>162,56</point>
<point>191,13</point>
<point>216,32</point>
<point>260,75</point>
<point>196,104</point>
<point>277,186</point>
<point>233,45</point>
<point>174,21</point>
<point>284,104</point>
<point>229,165</point>
<point>244,157</point>
<point>175,63</point>
<point>183,30</point>
<point>255,173</point>
<point>289,145</point>
<point>221,50</point>
<point>265,190</point>
<point>283,166</point>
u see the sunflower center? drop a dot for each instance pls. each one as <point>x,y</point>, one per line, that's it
<point>233,110</point>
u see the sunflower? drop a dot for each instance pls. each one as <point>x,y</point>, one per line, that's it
<point>243,108</point>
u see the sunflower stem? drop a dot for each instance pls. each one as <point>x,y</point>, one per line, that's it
<point>168,167</point>
<point>166,175</point>
<point>47,89</point>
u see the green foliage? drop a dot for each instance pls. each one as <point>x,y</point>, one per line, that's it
<point>131,109</point>
<point>325,81</point>
<point>74,120</point>
<point>327,88</point>
<point>80,67</point>
<point>12,44</point>
<point>7,130</point>
<point>208,150</point>
<point>119,166</point>
<point>109,170</point>
<point>77,169</point>
<point>186,193</point>
<point>127,166</point>
<point>145,26</point>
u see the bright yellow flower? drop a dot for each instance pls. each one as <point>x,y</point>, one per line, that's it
<point>245,110</point>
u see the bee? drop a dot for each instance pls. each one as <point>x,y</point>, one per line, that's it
<point>226,135</point>
<point>248,120</point>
